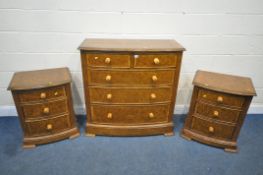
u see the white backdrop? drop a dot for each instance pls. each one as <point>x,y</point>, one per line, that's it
<point>219,35</point>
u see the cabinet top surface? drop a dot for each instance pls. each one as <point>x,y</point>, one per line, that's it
<point>224,83</point>
<point>37,79</point>
<point>130,45</point>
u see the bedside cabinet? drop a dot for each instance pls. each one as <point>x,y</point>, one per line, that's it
<point>218,108</point>
<point>130,85</point>
<point>44,105</point>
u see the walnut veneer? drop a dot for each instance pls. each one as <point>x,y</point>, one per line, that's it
<point>218,108</point>
<point>44,105</point>
<point>130,85</point>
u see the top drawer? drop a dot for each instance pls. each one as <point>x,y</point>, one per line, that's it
<point>42,94</point>
<point>155,60</point>
<point>108,60</point>
<point>221,98</point>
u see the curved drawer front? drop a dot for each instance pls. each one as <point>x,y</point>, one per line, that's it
<point>45,109</point>
<point>47,126</point>
<point>108,60</point>
<point>155,60</point>
<point>216,112</point>
<point>130,95</point>
<point>212,129</point>
<point>42,94</point>
<point>118,77</point>
<point>221,98</point>
<point>129,115</point>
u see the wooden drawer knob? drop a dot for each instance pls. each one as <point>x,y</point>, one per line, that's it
<point>107,60</point>
<point>151,115</point>
<point>211,129</point>
<point>56,93</point>
<point>46,110</point>
<point>43,95</point>
<point>220,99</point>
<point>49,127</point>
<point>109,96</point>
<point>109,115</point>
<point>153,96</point>
<point>96,58</point>
<point>108,78</point>
<point>204,96</point>
<point>216,113</point>
<point>154,78</point>
<point>156,60</point>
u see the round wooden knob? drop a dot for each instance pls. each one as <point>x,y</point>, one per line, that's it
<point>96,58</point>
<point>109,115</point>
<point>43,95</point>
<point>46,110</point>
<point>204,96</point>
<point>216,113</point>
<point>109,96</point>
<point>154,78</point>
<point>151,115</point>
<point>49,126</point>
<point>211,129</point>
<point>156,60</point>
<point>108,78</point>
<point>153,96</point>
<point>220,99</point>
<point>107,60</point>
<point>56,93</point>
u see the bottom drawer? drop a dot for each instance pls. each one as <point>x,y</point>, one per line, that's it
<point>129,114</point>
<point>212,129</point>
<point>47,126</point>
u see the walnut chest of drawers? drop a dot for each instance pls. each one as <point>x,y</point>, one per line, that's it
<point>44,105</point>
<point>218,108</point>
<point>130,85</point>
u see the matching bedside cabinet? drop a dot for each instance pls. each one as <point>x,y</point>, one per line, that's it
<point>130,85</point>
<point>218,108</point>
<point>44,105</point>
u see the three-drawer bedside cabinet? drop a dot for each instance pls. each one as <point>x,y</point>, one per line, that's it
<point>44,105</point>
<point>130,85</point>
<point>218,108</point>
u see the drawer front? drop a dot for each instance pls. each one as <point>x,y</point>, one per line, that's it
<point>45,109</point>
<point>221,98</point>
<point>215,112</point>
<point>108,60</point>
<point>115,77</point>
<point>42,94</point>
<point>47,126</point>
<point>212,129</point>
<point>129,115</point>
<point>155,60</point>
<point>129,95</point>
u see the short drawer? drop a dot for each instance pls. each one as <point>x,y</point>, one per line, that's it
<point>155,60</point>
<point>45,109</point>
<point>129,77</point>
<point>129,95</point>
<point>128,115</point>
<point>217,112</point>
<point>108,60</point>
<point>212,129</point>
<point>41,94</point>
<point>221,98</point>
<point>48,126</point>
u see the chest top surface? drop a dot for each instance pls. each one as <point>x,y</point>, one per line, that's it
<point>225,83</point>
<point>39,79</point>
<point>130,45</point>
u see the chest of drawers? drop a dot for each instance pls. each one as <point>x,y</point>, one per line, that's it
<point>130,85</point>
<point>44,105</point>
<point>218,108</point>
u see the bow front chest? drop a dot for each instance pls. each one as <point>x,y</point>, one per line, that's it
<point>130,85</point>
